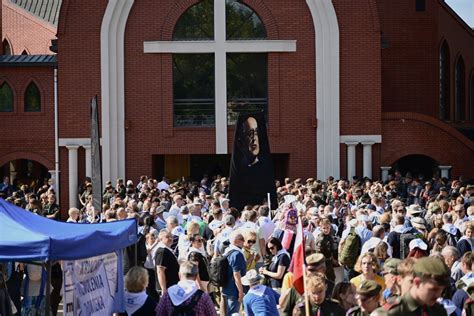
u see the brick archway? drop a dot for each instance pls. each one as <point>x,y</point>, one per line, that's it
<point>29,156</point>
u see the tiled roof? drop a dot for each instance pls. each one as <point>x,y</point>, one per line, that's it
<point>27,60</point>
<point>47,10</point>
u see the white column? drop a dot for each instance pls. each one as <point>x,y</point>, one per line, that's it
<point>445,171</point>
<point>385,171</point>
<point>367,159</point>
<point>220,81</point>
<point>72,168</point>
<point>88,160</point>
<point>351,159</point>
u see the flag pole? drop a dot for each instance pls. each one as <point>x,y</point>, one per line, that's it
<point>306,297</point>
<point>269,206</point>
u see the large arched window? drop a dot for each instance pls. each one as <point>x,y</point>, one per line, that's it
<point>444,99</point>
<point>194,87</point>
<point>460,94</point>
<point>32,98</point>
<point>6,98</point>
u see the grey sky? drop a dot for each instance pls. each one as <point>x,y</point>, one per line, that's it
<point>464,8</point>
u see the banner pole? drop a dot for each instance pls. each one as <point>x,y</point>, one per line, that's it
<point>269,206</point>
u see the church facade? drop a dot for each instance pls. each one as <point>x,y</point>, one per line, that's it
<point>347,88</point>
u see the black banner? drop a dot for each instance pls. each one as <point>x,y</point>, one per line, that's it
<point>251,169</point>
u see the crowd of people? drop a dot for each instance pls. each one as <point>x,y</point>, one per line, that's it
<point>371,247</point>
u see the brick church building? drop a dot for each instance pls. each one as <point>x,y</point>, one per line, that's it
<point>348,88</point>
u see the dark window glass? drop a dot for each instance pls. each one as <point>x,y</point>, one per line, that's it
<point>6,98</point>
<point>420,5</point>
<point>444,102</point>
<point>459,89</point>
<point>193,89</point>
<point>197,23</point>
<point>246,85</point>
<point>6,48</point>
<point>472,98</point>
<point>32,98</point>
<point>242,23</point>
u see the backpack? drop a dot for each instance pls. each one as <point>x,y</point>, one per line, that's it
<point>405,244</point>
<point>350,249</point>
<point>218,269</point>
<point>451,239</point>
<point>188,309</point>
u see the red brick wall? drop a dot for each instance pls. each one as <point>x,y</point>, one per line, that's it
<point>412,133</point>
<point>28,135</point>
<point>460,39</point>
<point>25,31</point>
<point>410,65</point>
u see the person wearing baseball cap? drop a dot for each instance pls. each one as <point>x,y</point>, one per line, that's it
<point>368,297</point>
<point>391,277</point>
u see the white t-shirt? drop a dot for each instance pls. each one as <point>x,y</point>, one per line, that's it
<point>266,227</point>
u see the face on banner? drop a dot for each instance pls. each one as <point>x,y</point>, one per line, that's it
<point>251,138</point>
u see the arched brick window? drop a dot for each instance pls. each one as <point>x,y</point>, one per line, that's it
<point>444,100</point>
<point>459,93</point>
<point>7,50</point>
<point>32,98</point>
<point>6,98</point>
<point>194,73</point>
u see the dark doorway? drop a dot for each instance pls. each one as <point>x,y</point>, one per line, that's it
<point>24,171</point>
<point>417,166</point>
<point>212,165</point>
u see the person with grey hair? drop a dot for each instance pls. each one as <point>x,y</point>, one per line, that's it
<point>172,224</point>
<point>185,298</point>
<point>166,262</point>
<point>233,291</point>
<point>451,258</point>
<point>454,234</point>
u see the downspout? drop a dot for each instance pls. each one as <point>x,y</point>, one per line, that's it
<point>56,132</point>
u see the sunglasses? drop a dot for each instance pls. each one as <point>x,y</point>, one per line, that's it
<point>251,241</point>
<point>312,269</point>
<point>271,248</point>
<point>199,240</point>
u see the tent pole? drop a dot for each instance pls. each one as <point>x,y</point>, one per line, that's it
<point>48,288</point>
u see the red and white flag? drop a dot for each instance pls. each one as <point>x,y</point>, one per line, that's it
<point>297,266</point>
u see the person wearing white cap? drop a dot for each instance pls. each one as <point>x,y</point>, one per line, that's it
<point>418,248</point>
<point>260,300</point>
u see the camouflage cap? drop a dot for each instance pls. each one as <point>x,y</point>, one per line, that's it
<point>433,268</point>
<point>315,259</point>
<point>369,288</point>
<point>390,266</point>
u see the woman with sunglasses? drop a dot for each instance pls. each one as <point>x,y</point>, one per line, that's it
<point>251,256</point>
<point>197,254</point>
<point>279,265</point>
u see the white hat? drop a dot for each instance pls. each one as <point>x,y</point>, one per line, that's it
<point>251,277</point>
<point>417,243</point>
<point>289,198</point>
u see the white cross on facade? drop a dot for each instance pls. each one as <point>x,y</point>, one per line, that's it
<point>220,47</point>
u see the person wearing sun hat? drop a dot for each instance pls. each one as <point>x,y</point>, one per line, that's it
<point>260,300</point>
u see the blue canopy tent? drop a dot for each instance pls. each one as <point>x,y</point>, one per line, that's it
<point>25,236</point>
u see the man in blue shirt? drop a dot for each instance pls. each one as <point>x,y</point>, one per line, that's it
<point>233,291</point>
<point>260,300</point>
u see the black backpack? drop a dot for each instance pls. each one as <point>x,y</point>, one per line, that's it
<point>188,309</point>
<point>218,269</point>
<point>405,239</point>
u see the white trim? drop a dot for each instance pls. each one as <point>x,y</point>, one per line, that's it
<point>112,87</point>
<point>344,139</point>
<point>326,31</point>
<point>188,47</point>
<point>64,142</point>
